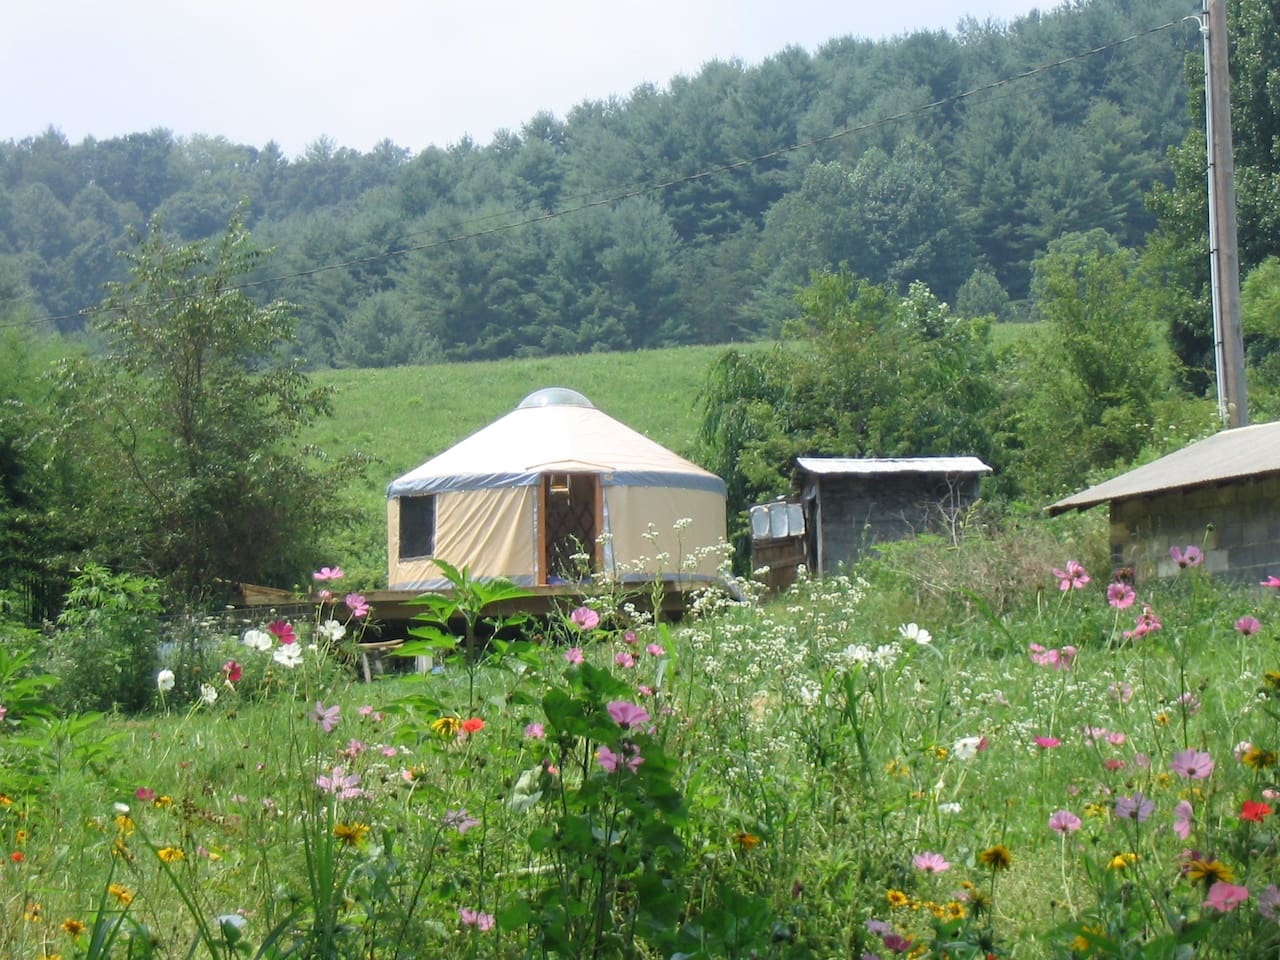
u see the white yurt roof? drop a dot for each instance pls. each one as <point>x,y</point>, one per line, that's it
<point>554,430</point>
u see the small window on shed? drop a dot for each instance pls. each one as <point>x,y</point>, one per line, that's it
<point>417,527</point>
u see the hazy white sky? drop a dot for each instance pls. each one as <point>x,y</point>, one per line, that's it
<point>419,72</point>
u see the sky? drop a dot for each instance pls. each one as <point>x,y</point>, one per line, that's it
<point>417,72</point>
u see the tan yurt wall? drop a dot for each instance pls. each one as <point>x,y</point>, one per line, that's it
<point>631,512</point>
<point>489,531</point>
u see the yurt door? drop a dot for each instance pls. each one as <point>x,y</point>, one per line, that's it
<point>571,508</point>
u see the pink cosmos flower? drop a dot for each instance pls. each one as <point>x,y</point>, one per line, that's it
<point>930,862</point>
<point>459,820</point>
<point>534,731</point>
<point>324,595</point>
<point>1073,578</point>
<point>1136,807</point>
<point>1120,595</point>
<point>627,715</point>
<point>357,604</point>
<point>1225,897</point>
<point>1112,764</point>
<point>282,630</point>
<point>625,660</point>
<point>1064,822</point>
<point>1047,742</point>
<point>232,671</point>
<point>1116,738</point>
<point>327,717</point>
<point>1248,625</point>
<point>1269,903</point>
<point>328,573</point>
<point>584,618</point>
<point>573,655</point>
<point>1121,692</point>
<point>343,785</point>
<point>1271,581</point>
<point>1190,557</point>
<point>1182,815</point>
<point>655,650</point>
<point>145,794</point>
<point>474,918</point>
<point>1147,622</point>
<point>630,638</point>
<point>1192,764</point>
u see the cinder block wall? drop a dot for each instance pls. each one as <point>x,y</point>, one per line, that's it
<point>1237,526</point>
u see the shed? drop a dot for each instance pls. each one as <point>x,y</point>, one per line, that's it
<point>531,494</point>
<point>853,504</point>
<point>1221,494</point>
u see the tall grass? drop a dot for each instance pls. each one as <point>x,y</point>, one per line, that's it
<point>811,776</point>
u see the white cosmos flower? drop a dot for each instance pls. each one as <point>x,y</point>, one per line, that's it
<point>258,640</point>
<point>208,693</point>
<point>288,655</point>
<point>913,631</point>
<point>332,630</point>
<point>165,680</point>
<point>966,748</point>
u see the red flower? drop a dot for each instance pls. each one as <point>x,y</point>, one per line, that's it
<point>473,725</point>
<point>233,671</point>
<point>283,630</point>
<point>17,856</point>
<point>1254,810</point>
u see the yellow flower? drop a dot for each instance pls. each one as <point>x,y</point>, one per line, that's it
<point>32,912</point>
<point>171,854</point>
<point>1162,719</point>
<point>163,801</point>
<point>1259,759</point>
<point>1095,810</point>
<point>954,910</point>
<point>447,726</point>
<point>120,849</point>
<point>1084,941</point>
<point>897,898</point>
<point>1210,871</point>
<point>1272,678</point>
<point>997,857</point>
<point>124,824</point>
<point>1122,860</point>
<point>746,841</point>
<point>123,895</point>
<point>352,834</point>
<point>20,836</point>
<point>896,768</point>
<point>73,927</point>
<point>940,752</point>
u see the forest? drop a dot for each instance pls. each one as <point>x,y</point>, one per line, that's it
<point>681,214</point>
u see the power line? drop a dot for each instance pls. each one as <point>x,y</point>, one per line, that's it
<point>630,193</point>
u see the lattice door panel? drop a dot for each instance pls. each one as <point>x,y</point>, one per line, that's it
<point>571,525</point>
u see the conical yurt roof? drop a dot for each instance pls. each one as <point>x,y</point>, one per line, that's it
<point>554,430</point>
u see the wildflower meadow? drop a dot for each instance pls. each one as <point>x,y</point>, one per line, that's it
<point>864,766</point>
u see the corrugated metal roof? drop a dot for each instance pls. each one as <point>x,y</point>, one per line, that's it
<point>877,466</point>
<point>1251,451</point>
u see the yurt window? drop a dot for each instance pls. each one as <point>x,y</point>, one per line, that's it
<point>417,526</point>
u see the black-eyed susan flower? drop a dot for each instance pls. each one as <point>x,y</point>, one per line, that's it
<point>447,726</point>
<point>352,834</point>
<point>171,854</point>
<point>897,898</point>
<point>1210,871</point>
<point>997,857</point>
<point>746,841</point>
<point>123,895</point>
<point>74,927</point>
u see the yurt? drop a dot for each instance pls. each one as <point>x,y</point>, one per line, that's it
<point>551,493</point>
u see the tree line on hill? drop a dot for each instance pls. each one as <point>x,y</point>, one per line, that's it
<point>674,215</point>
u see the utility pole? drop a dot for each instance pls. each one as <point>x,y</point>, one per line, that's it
<point>1224,258</point>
